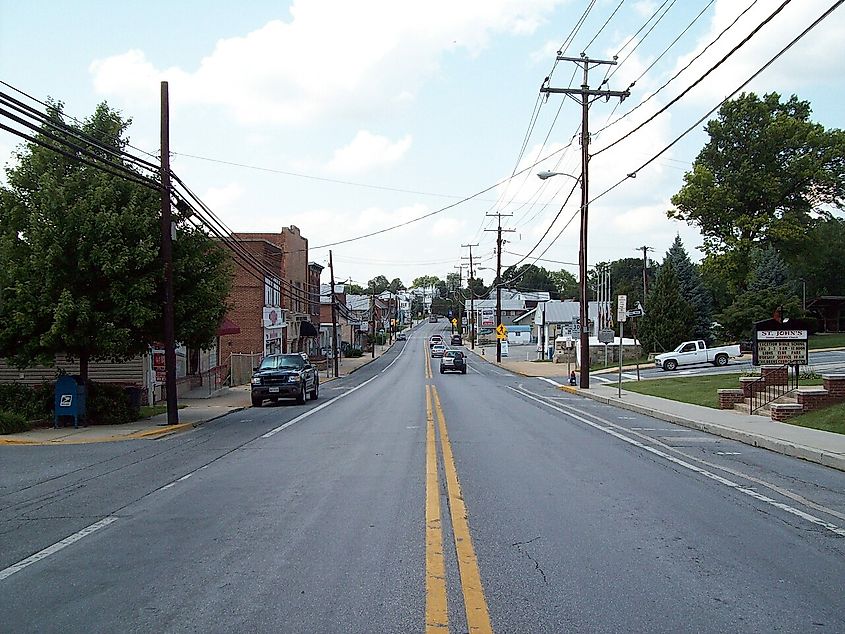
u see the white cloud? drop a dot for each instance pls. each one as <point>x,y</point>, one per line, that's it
<point>546,54</point>
<point>222,199</point>
<point>446,228</point>
<point>367,151</point>
<point>331,56</point>
<point>815,60</point>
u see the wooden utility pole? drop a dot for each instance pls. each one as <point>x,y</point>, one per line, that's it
<point>373,321</point>
<point>499,242</point>
<point>585,97</point>
<point>334,316</point>
<point>167,261</point>
<point>645,251</point>
<point>471,297</point>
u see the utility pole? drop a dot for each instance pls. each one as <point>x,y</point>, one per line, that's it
<point>471,296</point>
<point>645,250</point>
<point>334,316</point>
<point>585,97</point>
<point>167,259</point>
<point>460,268</point>
<point>499,241</point>
<point>373,321</point>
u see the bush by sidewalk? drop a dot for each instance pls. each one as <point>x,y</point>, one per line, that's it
<point>11,423</point>
<point>108,404</point>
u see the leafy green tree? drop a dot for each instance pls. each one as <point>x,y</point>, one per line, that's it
<point>80,270</point>
<point>765,175</point>
<point>692,288</point>
<point>821,265</point>
<point>426,281</point>
<point>355,289</point>
<point>379,284</point>
<point>476,286</point>
<point>669,319</point>
<point>396,285</point>
<point>528,277</point>
<point>565,284</point>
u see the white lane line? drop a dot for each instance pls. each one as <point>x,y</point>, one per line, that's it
<point>185,477</point>
<point>600,378</point>
<point>547,380</point>
<point>683,463</point>
<point>633,377</point>
<point>316,409</point>
<point>401,352</point>
<point>728,453</point>
<point>473,369</point>
<point>67,541</point>
<point>166,486</point>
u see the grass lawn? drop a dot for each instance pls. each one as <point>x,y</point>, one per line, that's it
<point>152,410</point>
<point>827,341</point>
<point>827,419</point>
<point>698,390</point>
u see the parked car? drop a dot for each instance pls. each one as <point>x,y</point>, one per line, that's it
<point>285,376</point>
<point>437,350</point>
<point>453,361</point>
<point>434,339</point>
<point>457,340</point>
<point>401,337</point>
<point>692,352</point>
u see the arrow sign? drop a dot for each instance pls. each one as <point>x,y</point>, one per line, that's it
<point>634,313</point>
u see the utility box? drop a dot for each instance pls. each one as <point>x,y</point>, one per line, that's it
<point>69,399</point>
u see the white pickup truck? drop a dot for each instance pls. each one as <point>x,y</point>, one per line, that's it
<point>692,352</point>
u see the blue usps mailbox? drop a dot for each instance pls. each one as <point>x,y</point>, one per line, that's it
<point>70,400</point>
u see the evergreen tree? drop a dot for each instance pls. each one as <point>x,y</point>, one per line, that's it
<point>692,288</point>
<point>670,318</point>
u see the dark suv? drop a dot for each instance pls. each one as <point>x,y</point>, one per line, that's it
<point>285,376</point>
<point>456,340</point>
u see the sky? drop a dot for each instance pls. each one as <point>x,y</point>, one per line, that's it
<point>346,118</point>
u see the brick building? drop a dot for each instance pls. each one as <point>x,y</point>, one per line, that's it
<point>275,313</point>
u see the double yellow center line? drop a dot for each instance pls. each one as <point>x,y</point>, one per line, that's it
<point>475,604</point>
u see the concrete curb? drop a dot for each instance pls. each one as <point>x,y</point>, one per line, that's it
<point>811,454</point>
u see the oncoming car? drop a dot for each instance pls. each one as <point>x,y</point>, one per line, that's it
<point>437,350</point>
<point>434,339</point>
<point>284,376</point>
<point>453,361</point>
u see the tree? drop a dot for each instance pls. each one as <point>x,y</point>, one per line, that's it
<point>821,266</point>
<point>692,288</point>
<point>476,286</point>
<point>565,284</point>
<point>426,281</point>
<point>379,283</point>
<point>354,289</point>
<point>670,318</point>
<point>396,285</point>
<point>763,177</point>
<point>770,288</point>
<point>528,277</point>
<point>80,270</point>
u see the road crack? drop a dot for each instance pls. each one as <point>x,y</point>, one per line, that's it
<point>519,546</point>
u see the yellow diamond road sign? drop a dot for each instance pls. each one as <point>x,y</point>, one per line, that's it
<point>501,331</point>
<point>454,322</point>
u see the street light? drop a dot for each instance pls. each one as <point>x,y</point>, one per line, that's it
<point>547,174</point>
<point>582,272</point>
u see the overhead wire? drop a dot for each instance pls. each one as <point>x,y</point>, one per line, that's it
<point>710,70</point>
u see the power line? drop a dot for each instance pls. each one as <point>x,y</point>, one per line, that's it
<point>742,43</point>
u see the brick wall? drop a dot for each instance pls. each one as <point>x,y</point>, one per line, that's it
<point>775,375</point>
<point>811,400</point>
<point>835,386</point>
<point>784,411</point>
<point>728,398</point>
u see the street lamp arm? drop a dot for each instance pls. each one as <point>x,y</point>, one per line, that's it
<point>547,174</point>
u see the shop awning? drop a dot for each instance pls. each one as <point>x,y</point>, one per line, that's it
<point>307,329</point>
<point>228,327</point>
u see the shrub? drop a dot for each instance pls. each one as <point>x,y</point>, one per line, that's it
<point>11,423</point>
<point>108,404</point>
<point>30,402</point>
<point>354,353</point>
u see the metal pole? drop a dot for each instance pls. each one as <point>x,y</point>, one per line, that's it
<point>621,337</point>
<point>334,317</point>
<point>499,290</point>
<point>167,259</point>
<point>582,255</point>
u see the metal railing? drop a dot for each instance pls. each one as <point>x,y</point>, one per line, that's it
<point>763,393</point>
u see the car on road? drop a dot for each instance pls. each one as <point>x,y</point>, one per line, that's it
<point>693,352</point>
<point>434,339</point>
<point>438,350</point>
<point>457,340</point>
<point>401,337</point>
<point>453,361</point>
<point>284,376</point>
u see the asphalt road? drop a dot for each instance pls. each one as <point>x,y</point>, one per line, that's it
<point>404,498</point>
<point>831,361</point>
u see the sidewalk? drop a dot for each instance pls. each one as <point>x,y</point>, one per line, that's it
<point>195,408</point>
<point>814,445</point>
